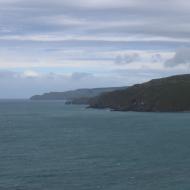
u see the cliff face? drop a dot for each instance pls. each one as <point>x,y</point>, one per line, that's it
<point>158,95</point>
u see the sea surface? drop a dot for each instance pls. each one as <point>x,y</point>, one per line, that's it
<point>47,145</point>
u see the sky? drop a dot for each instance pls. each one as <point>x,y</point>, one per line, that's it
<point>59,45</point>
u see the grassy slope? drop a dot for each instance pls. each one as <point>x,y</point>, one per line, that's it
<point>167,94</point>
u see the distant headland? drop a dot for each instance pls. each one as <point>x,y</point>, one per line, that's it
<point>79,96</point>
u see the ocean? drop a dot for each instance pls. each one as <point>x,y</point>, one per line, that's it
<point>46,145</point>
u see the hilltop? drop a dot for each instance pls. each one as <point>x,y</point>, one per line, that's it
<point>159,95</point>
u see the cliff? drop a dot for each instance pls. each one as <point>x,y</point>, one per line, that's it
<point>169,94</point>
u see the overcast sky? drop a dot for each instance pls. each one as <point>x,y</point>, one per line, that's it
<point>58,45</point>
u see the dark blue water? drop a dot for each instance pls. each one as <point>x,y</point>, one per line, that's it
<point>51,146</point>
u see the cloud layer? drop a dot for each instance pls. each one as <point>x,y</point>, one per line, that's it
<point>47,40</point>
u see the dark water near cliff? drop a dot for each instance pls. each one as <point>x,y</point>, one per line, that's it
<point>50,146</point>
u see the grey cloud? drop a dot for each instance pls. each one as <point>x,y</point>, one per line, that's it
<point>127,59</point>
<point>134,76</point>
<point>35,16</point>
<point>32,74</point>
<point>138,24</point>
<point>24,87</point>
<point>8,74</point>
<point>79,76</point>
<point>157,58</point>
<point>181,57</point>
<point>138,57</point>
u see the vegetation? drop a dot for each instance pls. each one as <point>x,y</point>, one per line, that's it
<point>158,95</point>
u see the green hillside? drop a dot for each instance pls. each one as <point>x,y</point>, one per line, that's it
<point>158,95</point>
